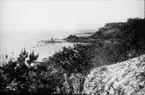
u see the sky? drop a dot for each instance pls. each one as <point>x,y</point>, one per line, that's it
<point>39,19</point>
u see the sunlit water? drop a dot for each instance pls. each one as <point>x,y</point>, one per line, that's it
<point>14,48</point>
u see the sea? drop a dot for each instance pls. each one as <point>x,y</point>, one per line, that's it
<point>13,48</point>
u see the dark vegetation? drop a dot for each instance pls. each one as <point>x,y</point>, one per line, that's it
<point>54,76</point>
<point>117,42</point>
<point>81,39</point>
<point>65,71</point>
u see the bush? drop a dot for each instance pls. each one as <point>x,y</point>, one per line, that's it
<point>48,77</point>
<point>15,72</point>
<point>72,60</point>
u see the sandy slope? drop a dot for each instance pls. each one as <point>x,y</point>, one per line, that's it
<point>124,78</point>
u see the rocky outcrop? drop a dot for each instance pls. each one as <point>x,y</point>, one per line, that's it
<point>124,78</point>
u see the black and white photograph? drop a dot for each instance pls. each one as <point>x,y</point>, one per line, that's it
<point>72,47</point>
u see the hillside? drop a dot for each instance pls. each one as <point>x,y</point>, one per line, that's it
<point>129,34</point>
<point>115,42</point>
<point>124,78</point>
<point>118,41</point>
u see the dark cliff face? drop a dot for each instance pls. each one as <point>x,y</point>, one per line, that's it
<point>124,78</point>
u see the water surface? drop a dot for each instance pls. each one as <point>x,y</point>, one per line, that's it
<point>13,48</point>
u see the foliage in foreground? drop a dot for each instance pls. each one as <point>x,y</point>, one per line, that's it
<point>63,73</point>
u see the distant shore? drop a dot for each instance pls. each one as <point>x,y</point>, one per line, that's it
<point>73,38</point>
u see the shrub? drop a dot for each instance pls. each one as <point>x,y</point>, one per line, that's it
<point>72,60</point>
<point>47,77</point>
